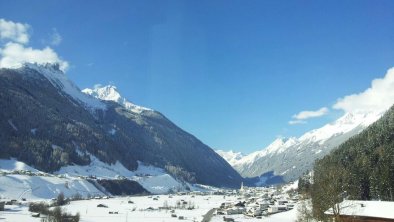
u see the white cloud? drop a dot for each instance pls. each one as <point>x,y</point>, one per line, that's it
<point>56,38</point>
<point>13,55</point>
<point>311,114</point>
<point>294,122</point>
<point>15,51</point>
<point>16,32</point>
<point>304,115</point>
<point>379,97</point>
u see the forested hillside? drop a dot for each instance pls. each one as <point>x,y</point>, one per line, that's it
<point>362,168</point>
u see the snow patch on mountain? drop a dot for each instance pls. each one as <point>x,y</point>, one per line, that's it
<point>230,156</point>
<point>61,81</point>
<point>13,165</point>
<point>278,146</point>
<point>159,184</point>
<point>110,93</point>
<point>99,169</point>
<point>344,124</point>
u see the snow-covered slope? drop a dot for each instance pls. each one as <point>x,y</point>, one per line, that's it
<point>14,165</point>
<point>291,157</point>
<point>20,180</point>
<point>153,179</point>
<point>110,93</point>
<point>61,81</point>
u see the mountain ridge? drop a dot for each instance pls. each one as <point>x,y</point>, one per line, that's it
<point>290,157</point>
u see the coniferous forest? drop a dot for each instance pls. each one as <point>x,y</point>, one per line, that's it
<point>362,168</point>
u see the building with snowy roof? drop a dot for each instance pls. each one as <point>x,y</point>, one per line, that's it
<point>364,211</point>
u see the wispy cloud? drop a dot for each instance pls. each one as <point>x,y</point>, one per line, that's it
<point>378,97</point>
<point>14,49</point>
<point>56,38</point>
<point>294,122</point>
<point>307,114</point>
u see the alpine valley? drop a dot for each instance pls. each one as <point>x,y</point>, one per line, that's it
<point>98,142</point>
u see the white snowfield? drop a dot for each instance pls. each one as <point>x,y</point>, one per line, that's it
<point>19,180</point>
<point>16,186</point>
<point>379,209</point>
<point>145,208</point>
<point>12,164</point>
<point>138,210</point>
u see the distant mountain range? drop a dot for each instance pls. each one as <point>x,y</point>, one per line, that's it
<point>289,158</point>
<point>49,124</point>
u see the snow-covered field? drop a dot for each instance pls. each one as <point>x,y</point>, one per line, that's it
<point>43,187</point>
<point>136,209</point>
<point>19,180</point>
<point>15,213</point>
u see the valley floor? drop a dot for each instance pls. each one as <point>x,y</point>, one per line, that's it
<point>145,208</point>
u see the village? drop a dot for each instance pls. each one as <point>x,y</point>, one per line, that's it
<point>259,201</point>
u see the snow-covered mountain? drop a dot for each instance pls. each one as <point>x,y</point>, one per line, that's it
<point>110,93</point>
<point>291,157</point>
<point>230,156</point>
<point>50,125</point>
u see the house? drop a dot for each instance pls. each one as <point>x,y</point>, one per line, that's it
<point>254,212</point>
<point>290,206</point>
<point>276,208</point>
<point>282,202</point>
<point>2,204</point>
<point>264,205</point>
<point>364,211</point>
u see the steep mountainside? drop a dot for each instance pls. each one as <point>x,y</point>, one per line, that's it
<point>48,123</point>
<point>291,157</point>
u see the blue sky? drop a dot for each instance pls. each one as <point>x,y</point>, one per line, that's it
<point>232,73</point>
